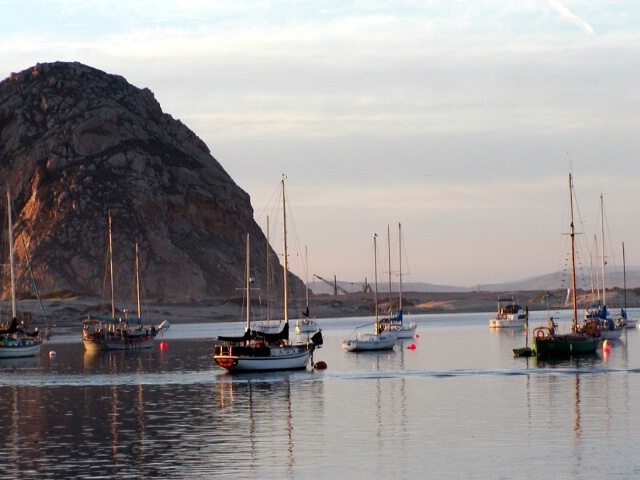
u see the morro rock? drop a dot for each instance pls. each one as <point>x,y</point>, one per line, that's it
<point>76,143</point>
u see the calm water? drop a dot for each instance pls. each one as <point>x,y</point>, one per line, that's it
<point>458,406</point>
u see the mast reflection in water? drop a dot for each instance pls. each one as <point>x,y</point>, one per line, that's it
<point>458,406</point>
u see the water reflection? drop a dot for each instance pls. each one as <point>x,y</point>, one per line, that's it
<point>459,395</point>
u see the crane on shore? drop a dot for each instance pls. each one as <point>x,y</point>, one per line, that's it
<point>336,288</point>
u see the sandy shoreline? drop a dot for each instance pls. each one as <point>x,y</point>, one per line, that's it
<point>69,313</point>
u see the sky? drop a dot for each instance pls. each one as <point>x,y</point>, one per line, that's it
<point>461,120</point>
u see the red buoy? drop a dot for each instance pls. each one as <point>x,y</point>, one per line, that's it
<point>412,346</point>
<point>163,345</point>
<point>320,365</point>
<point>417,335</point>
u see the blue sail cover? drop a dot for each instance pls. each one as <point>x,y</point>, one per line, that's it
<point>603,312</point>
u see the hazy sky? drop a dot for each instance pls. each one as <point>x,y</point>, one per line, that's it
<point>459,119</point>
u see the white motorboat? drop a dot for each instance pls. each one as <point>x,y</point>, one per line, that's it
<point>509,315</point>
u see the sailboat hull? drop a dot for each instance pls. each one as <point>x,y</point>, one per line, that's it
<point>370,342</point>
<point>306,326</point>
<point>104,344</point>
<point>406,331</point>
<point>565,345</point>
<point>288,357</point>
<point>20,349</point>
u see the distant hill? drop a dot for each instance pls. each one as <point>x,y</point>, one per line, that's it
<point>551,281</point>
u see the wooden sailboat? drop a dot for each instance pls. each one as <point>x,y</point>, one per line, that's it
<point>114,332</point>
<point>396,323</point>
<point>257,351</point>
<point>379,340</point>
<point>16,339</point>
<point>582,340</point>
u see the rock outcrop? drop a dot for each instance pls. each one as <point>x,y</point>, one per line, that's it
<point>76,143</point>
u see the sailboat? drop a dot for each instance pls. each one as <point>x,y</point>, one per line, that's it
<point>598,311</point>
<point>268,325</point>
<point>549,343</point>
<point>104,332</point>
<point>16,339</point>
<point>379,340</point>
<point>623,321</point>
<point>396,323</point>
<point>257,351</point>
<point>306,324</point>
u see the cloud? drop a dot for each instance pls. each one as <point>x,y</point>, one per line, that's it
<point>565,12</point>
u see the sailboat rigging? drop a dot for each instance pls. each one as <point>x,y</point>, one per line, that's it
<point>547,342</point>
<point>598,312</point>
<point>103,332</point>
<point>381,339</point>
<point>17,339</point>
<point>257,351</point>
<point>396,323</point>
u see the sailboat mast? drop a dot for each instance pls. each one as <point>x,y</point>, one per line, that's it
<point>306,278</point>
<point>624,278</point>
<point>389,261</point>
<point>113,306</point>
<point>285,262</point>
<point>604,298</point>
<point>573,259</point>
<point>400,271</point>
<point>248,283</point>
<point>14,308</point>
<point>138,280</point>
<point>268,270</point>
<point>375,290</point>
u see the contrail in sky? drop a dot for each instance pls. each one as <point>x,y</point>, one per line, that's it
<point>565,12</point>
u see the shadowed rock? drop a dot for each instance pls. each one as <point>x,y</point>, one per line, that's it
<point>76,142</point>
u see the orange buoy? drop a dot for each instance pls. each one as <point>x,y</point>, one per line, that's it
<point>606,346</point>
<point>320,365</point>
<point>412,346</point>
<point>163,345</point>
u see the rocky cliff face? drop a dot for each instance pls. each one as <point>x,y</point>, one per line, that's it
<point>76,143</point>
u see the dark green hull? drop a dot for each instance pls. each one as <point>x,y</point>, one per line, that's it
<point>524,352</point>
<point>565,345</point>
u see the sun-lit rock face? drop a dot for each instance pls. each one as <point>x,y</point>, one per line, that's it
<point>76,143</point>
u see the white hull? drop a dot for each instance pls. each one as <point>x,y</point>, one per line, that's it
<point>20,351</point>
<point>405,331</point>
<point>611,334</point>
<point>281,358</point>
<point>370,342</point>
<point>306,326</point>
<point>269,327</point>
<point>506,323</point>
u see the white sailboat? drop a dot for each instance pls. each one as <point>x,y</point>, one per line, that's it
<point>16,339</point>
<point>306,324</point>
<point>104,332</point>
<point>380,339</point>
<point>396,323</point>
<point>598,311</point>
<point>258,351</point>
<point>623,321</point>
<point>268,325</point>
